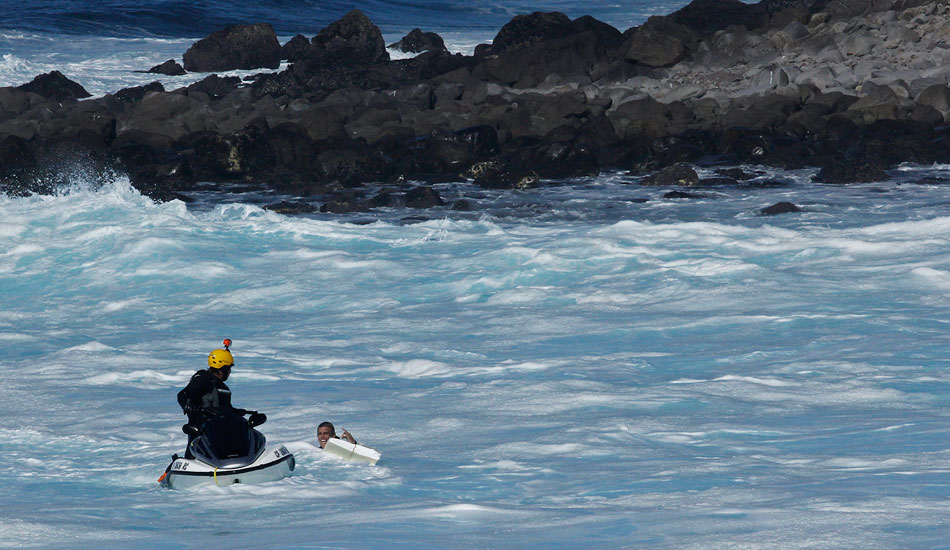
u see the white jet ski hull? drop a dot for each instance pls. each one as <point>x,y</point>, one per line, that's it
<point>272,465</point>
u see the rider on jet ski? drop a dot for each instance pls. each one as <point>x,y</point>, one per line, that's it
<point>206,393</point>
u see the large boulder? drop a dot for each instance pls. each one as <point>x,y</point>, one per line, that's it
<point>660,42</point>
<point>572,56</point>
<point>215,86</point>
<point>55,86</point>
<point>238,47</point>
<point>295,48</point>
<point>14,101</point>
<point>679,174</point>
<point>15,155</point>
<point>423,197</point>
<point>780,208</point>
<point>136,93</point>
<point>168,68</point>
<point>352,40</point>
<point>709,16</point>
<point>851,171</point>
<point>936,96</point>
<point>524,30</point>
<point>417,42</point>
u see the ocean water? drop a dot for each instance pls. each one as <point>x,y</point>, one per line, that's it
<point>587,364</point>
<point>568,367</point>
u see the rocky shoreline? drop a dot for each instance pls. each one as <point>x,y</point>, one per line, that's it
<point>853,87</point>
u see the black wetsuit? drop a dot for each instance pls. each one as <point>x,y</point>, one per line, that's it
<point>204,391</point>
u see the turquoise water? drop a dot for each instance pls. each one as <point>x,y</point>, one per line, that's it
<point>566,367</point>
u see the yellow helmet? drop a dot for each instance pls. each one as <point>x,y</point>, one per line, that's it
<point>220,358</point>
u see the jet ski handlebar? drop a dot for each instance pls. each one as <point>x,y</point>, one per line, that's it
<point>256,418</point>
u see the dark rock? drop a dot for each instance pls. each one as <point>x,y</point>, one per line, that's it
<point>169,68</point>
<point>568,58</point>
<point>683,195</point>
<point>423,197</point>
<point>215,86</point>
<point>429,65</point>
<point>15,156</point>
<point>926,114</point>
<point>679,174</point>
<point>295,48</point>
<point>215,157</point>
<point>342,207</point>
<point>136,93</point>
<point>932,180</point>
<point>352,166</point>
<point>641,119</point>
<point>463,205</point>
<point>419,96</point>
<point>779,208</point>
<point>388,198</point>
<point>90,124</point>
<point>776,6</point>
<point>417,42</point>
<point>610,36</point>
<point>497,175</point>
<point>709,16</point>
<point>763,113</point>
<point>936,96</point>
<point>524,30</point>
<point>53,85</point>
<point>442,158</point>
<point>660,42</point>
<point>482,139</point>
<point>346,202</point>
<point>746,144</point>
<point>14,101</point>
<point>685,147</point>
<point>851,171</point>
<point>238,47</point>
<point>352,40</point>
<point>566,160</point>
<point>291,207</point>
<point>324,122</point>
<point>294,150</point>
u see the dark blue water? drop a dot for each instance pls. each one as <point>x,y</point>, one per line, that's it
<point>176,18</point>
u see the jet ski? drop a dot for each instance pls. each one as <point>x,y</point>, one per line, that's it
<point>227,450</point>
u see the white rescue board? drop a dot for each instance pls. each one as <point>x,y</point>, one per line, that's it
<point>351,451</point>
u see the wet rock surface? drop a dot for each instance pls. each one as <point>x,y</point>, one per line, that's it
<point>850,88</point>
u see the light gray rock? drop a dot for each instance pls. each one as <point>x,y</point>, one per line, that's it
<point>936,96</point>
<point>770,78</point>
<point>831,54</point>
<point>859,44</point>
<point>898,34</point>
<point>918,85</point>
<point>900,88</point>
<point>681,93</point>
<point>882,18</point>
<point>789,35</point>
<point>823,78</point>
<point>864,70</point>
<point>816,42</point>
<point>486,89</point>
<point>619,96</point>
